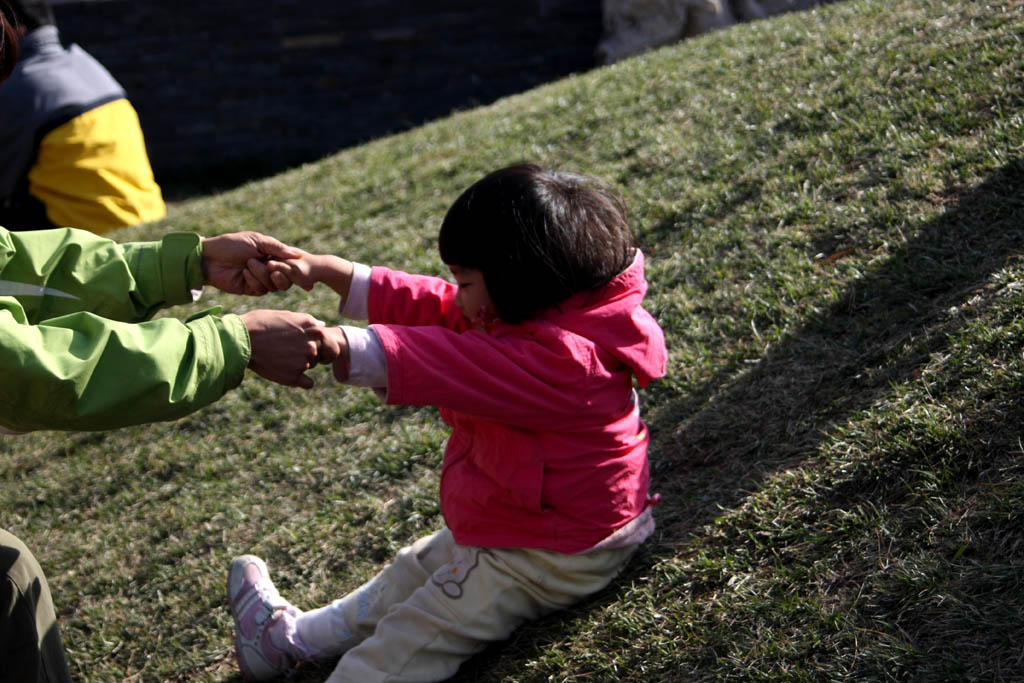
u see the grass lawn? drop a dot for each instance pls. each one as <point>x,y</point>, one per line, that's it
<point>831,207</point>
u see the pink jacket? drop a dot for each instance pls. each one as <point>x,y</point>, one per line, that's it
<point>547,447</point>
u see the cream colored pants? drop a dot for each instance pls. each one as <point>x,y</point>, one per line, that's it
<point>439,603</point>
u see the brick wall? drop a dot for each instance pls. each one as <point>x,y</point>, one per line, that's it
<point>231,89</point>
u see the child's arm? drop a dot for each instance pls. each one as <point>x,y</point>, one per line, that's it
<point>401,298</point>
<point>356,356</point>
<point>309,269</point>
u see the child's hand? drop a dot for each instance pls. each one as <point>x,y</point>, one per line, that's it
<point>304,271</point>
<point>333,349</point>
<point>300,271</point>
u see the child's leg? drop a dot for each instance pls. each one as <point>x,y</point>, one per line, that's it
<point>479,597</point>
<point>271,634</point>
<point>335,628</point>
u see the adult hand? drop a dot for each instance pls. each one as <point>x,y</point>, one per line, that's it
<point>284,345</point>
<point>225,258</point>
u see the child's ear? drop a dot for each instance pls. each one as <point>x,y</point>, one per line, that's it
<point>488,314</point>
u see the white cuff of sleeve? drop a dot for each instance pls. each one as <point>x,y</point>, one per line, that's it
<point>367,364</point>
<point>357,305</point>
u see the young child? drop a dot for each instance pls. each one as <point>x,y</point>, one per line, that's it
<point>530,358</point>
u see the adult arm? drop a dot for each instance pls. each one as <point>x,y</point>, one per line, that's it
<point>70,354</point>
<point>56,272</point>
<point>70,358</point>
<point>84,372</point>
<point>52,273</point>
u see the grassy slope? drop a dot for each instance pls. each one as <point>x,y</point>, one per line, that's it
<point>830,203</point>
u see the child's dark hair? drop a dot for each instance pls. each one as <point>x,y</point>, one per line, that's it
<point>537,236</point>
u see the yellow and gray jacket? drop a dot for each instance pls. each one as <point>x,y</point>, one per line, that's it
<point>72,354</point>
<point>72,151</point>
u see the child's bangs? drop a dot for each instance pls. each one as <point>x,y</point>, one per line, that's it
<point>461,241</point>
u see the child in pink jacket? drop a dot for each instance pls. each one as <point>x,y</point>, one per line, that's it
<point>531,358</point>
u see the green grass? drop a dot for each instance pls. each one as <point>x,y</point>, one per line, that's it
<point>831,207</point>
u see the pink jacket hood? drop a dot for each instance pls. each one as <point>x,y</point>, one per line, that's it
<point>613,318</point>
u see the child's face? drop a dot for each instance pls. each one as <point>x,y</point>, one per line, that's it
<point>473,297</point>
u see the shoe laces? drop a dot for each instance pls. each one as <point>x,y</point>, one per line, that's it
<point>271,600</point>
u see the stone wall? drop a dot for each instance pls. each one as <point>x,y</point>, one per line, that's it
<point>635,26</point>
<point>232,89</point>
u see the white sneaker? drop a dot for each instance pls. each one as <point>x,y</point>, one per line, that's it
<point>257,607</point>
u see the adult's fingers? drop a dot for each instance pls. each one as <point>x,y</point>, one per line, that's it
<point>283,344</point>
<point>253,287</point>
<point>257,270</point>
<point>271,246</point>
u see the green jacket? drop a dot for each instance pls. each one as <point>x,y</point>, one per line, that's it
<point>73,354</point>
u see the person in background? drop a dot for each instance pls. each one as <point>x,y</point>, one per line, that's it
<point>72,151</point>
<point>78,350</point>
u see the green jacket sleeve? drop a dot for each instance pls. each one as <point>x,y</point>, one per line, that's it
<point>71,355</point>
<point>55,272</point>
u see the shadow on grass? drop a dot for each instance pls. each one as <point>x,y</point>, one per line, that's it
<point>879,332</point>
<point>714,445</point>
<point>953,577</point>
